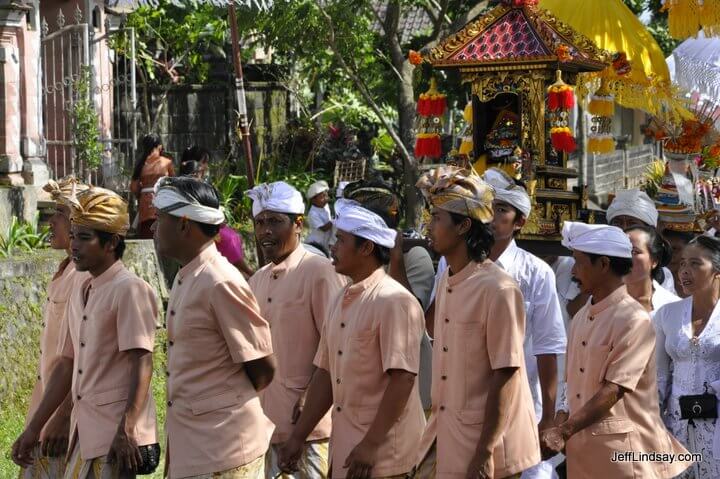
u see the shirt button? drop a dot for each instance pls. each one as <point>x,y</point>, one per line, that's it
<point>43,324</point>
<point>169,403</point>
<point>337,380</point>
<point>172,312</point>
<point>443,378</point>
<point>582,370</point>
<point>79,397</point>
<point>275,276</point>
<point>584,343</point>
<point>167,373</point>
<point>449,290</point>
<point>82,345</point>
<point>339,353</point>
<point>578,396</point>
<point>179,281</point>
<point>591,318</point>
<point>445,348</point>
<point>84,318</point>
<point>269,300</point>
<point>38,377</point>
<point>338,409</point>
<point>447,320</point>
<point>171,343</point>
<point>442,408</point>
<point>342,325</point>
<point>79,371</point>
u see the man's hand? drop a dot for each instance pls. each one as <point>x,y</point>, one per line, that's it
<point>545,424</point>
<point>57,432</point>
<point>552,440</point>
<point>124,450</point>
<point>22,449</point>
<point>289,455</point>
<point>361,460</point>
<point>298,408</point>
<point>482,466</point>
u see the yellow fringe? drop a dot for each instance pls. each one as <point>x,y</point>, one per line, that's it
<point>686,17</point>
<point>601,144</point>
<point>601,106</point>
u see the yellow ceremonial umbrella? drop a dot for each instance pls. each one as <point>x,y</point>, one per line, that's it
<point>687,17</point>
<point>612,26</point>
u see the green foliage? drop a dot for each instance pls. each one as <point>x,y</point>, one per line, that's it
<point>23,236</point>
<point>176,39</point>
<point>85,125</point>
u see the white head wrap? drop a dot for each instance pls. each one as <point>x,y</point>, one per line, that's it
<point>506,190</point>
<point>340,188</point>
<point>353,218</point>
<point>633,203</point>
<point>317,188</point>
<point>170,200</point>
<point>278,197</point>
<point>596,239</point>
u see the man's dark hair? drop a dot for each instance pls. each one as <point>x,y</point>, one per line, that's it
<point>202,192</point>
<point>619,266</point>
<point>479,239</point>
<point>105,237</point>
<point>659,249</point>
<point>377,196</point>
<point>381,253</point>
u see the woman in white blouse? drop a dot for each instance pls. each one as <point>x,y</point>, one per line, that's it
<point>650,254</point>
<point>688,352</point>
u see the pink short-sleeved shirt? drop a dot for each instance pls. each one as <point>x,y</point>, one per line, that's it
<point>372,327</point>
<point>120,315</point>
<point>294,297</point>
<point>63,283</point>
<point>479,327</point>
<point>614,340</point>
<point>214,418</point>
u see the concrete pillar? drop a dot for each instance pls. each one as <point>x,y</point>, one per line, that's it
<point>11,21</point>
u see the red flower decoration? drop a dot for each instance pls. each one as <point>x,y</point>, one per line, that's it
<point>415,57</point>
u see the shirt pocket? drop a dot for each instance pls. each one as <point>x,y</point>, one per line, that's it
<point>110,397</point>
<point>214,402</point>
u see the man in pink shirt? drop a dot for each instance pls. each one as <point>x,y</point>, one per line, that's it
<point>367,361</point>
<point>294,292</point>
<point>611,414</point>
<point>50,454</point>
<point>106,357</point>
<point>219,350</point>
<point>482,423</point>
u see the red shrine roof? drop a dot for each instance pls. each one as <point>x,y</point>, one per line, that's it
<point>517,35</point>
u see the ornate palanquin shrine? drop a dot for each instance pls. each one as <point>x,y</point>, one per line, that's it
<point>509,57</point>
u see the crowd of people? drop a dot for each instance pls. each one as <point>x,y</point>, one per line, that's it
<point>369,363</point>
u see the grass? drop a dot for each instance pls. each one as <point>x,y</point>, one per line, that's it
<point>12,420</point>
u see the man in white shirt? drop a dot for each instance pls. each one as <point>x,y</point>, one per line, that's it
<point>319,217</point>
<point>545,336</point>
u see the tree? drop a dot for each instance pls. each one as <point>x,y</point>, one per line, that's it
<point>357,44</point>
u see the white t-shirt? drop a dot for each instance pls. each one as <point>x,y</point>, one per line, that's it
<point>318,217</point>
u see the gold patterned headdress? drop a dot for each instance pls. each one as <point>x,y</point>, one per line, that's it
<point>100,209</point>
<point>458,191</point>
<point>64,188</point>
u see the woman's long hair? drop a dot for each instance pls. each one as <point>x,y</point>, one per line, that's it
<point>659,248</point>
<point>149,143</point>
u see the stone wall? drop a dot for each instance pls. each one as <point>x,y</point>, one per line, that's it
<point>23,286</point>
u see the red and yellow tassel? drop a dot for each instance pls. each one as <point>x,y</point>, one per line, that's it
<point>562,139</point>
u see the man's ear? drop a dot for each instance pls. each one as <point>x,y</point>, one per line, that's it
<point>520,221</point>
<point>367,248</point>
<point>464,226</point>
